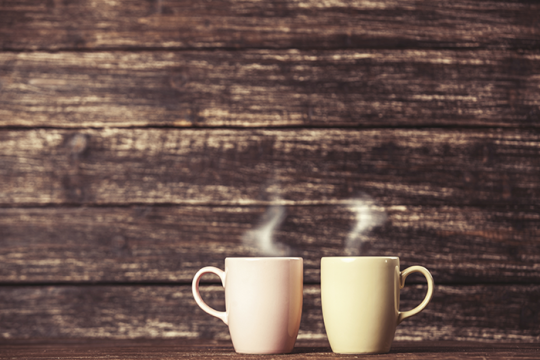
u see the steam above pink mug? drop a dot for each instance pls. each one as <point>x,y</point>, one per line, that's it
<point>263,301</point>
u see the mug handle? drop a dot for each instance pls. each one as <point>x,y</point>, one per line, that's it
<point>405,314</point>
<point>198,299</point>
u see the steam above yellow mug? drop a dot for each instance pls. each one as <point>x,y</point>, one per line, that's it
<point>360,302</point>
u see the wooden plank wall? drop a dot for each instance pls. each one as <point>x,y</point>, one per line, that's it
<point>142,140</point>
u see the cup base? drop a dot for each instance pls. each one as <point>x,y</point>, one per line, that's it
<point>264,350</point>
<point>360,352</point>
<point>271,352</point>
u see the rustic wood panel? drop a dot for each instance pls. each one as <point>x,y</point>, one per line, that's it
<point>26,24</point>
<point>205,349</point>
<point>118,179</point>
<point>152,244</point>
<point>329,166</point>
<point>487,313</point>
<point>269,88</point>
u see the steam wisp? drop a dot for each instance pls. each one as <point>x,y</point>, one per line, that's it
<point>262,237</point>
<point>367,217</point>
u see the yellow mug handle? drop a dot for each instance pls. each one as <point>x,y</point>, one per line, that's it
<point>405,314</point>
<point>197,295</point>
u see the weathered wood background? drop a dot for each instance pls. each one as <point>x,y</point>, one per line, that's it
<point>142,140</point>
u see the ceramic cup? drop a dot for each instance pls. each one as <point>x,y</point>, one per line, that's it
<point>360,302</point>
<point>263,302</point>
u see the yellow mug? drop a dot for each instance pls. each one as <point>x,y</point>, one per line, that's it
<point>360,301</point>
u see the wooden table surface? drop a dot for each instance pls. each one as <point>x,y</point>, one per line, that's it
<point>179,349</point>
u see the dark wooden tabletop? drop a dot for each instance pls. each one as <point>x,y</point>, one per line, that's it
<point>179,349</point>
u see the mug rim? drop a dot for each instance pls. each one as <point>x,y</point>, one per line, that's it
<point>361,257</point>
<point>257,258</point>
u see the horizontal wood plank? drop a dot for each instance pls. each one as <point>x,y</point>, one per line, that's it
<point>248,167</point>
<point>101,24</point>
<point>270,88</point>
<point>165,244</point>
<point>487,313</point>
<point>208,349</point>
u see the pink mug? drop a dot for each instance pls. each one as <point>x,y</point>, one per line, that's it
<point>263,302</point>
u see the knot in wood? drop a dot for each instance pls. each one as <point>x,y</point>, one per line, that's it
<point>118,242</point>
<point>78,143</point>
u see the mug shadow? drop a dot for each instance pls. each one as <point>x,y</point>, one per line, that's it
<point>457,348</point>
<point>420,348</point>
<point>311,350</point>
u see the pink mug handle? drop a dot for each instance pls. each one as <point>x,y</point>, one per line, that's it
<point>198,299</point>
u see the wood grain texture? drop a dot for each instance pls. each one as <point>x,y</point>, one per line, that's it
<point>271,88</point>
<point>205,349</point>
<point>492,168</point>
<point>164,244</point>
<point>486,313</point>
<point>26,24</point>
<point>142,140</point>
